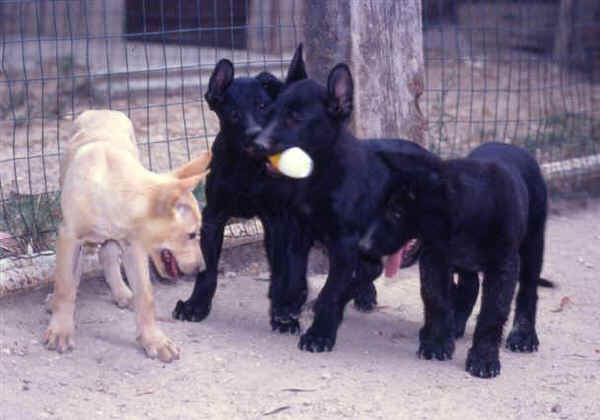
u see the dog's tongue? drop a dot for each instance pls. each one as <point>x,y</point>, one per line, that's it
<point>393,263</point>
<point>173,268</point>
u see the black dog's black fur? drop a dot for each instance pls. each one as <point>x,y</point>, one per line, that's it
<point>485,213</point>
<point>240,186</point>
<point>341,195</point>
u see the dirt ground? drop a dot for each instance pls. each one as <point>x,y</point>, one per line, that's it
<point>234,367</point>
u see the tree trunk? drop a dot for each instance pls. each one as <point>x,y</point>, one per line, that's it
<point>577,33</point>
<point>383,45</point>
<point>564,32</point>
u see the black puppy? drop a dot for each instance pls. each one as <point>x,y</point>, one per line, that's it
<point>240,185</point>
<point>485,213</point>
<point>341,195</point>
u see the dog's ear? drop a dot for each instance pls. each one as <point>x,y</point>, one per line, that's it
<point>270,83</point>
<point>297,70</point>
<point>415,172</point>
<point>340,90</point>
<point>196,166</point>
<point>172,194</point>
<point>220,79</point>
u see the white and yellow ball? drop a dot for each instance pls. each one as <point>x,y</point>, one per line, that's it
<point>293,162</point>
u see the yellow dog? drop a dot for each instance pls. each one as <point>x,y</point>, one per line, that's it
<point>109,198</point>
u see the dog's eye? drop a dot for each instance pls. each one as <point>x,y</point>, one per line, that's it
<point>192,235</point>
<point>293,117</point>
<point>234,115</point>
<point>396,213</point>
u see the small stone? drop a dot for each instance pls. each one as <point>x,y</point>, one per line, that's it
<point>556,408</point>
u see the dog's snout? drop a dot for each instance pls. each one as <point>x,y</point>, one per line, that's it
<point>253,131</point>
<point>364,245</point>
<point>263,141</point>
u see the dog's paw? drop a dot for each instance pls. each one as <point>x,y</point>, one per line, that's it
<point>440,349</point>
<point>482,366</point>
<point>285,320</point>
<point>315,343</point>
<point>286,326</point>
<point>157,344</point>
<point>59,336</point>
<point>366,298</point>
<point>186,311</point>
<point>124,300</point>
<point>522,341</point>
<point>48,302</point>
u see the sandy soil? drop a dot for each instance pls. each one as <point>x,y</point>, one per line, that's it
<point>234,367</point>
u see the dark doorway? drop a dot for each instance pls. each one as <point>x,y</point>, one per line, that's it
<point>211,23</point>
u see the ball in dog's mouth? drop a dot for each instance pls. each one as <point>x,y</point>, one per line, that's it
<point>170,263</point>
<point>293,162</point>
<point>404,257</point>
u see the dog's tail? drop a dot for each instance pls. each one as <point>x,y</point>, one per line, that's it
<point>542,282</point>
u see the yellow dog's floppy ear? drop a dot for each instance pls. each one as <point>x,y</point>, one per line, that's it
<point>194,167</point>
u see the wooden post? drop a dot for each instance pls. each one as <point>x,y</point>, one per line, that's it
<point>382,43</point>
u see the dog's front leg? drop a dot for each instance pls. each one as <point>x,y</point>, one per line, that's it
<point>365,298</point>
<point>198,306</point>
<point>59,335</point>
<point>338,290</point>
<point>287,249</point>
<point>436,337</point>
<point>152,338</point>
<point>499,285</point>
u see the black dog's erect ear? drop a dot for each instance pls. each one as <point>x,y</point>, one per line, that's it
<point>340,89</point>
<point>270,83</point>
<point>297,70</point>
<point>220,79</point>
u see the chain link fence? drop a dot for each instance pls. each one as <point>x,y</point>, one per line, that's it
<point>524,72</point>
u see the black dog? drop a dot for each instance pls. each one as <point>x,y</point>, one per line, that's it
<point>341,195</point>
<point>240,185</point>
<point>485,213</point>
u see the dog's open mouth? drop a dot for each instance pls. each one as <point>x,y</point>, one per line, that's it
<point>404,257</point>
<point>170,263</point>
<point>272,169</point>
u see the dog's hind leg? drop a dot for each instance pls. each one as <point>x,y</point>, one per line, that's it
<point>110,259</point>
<point>523,336</point>
<point>198,305</point>
<point>59,335</point>
<point>465,295</point>
<point>150,336</point>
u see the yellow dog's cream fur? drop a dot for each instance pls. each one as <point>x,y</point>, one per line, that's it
<point>109,198</point>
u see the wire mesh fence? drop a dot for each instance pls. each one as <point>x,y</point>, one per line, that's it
<point>524,72</point>
<point>148,58</point>
<point>493,70</point>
